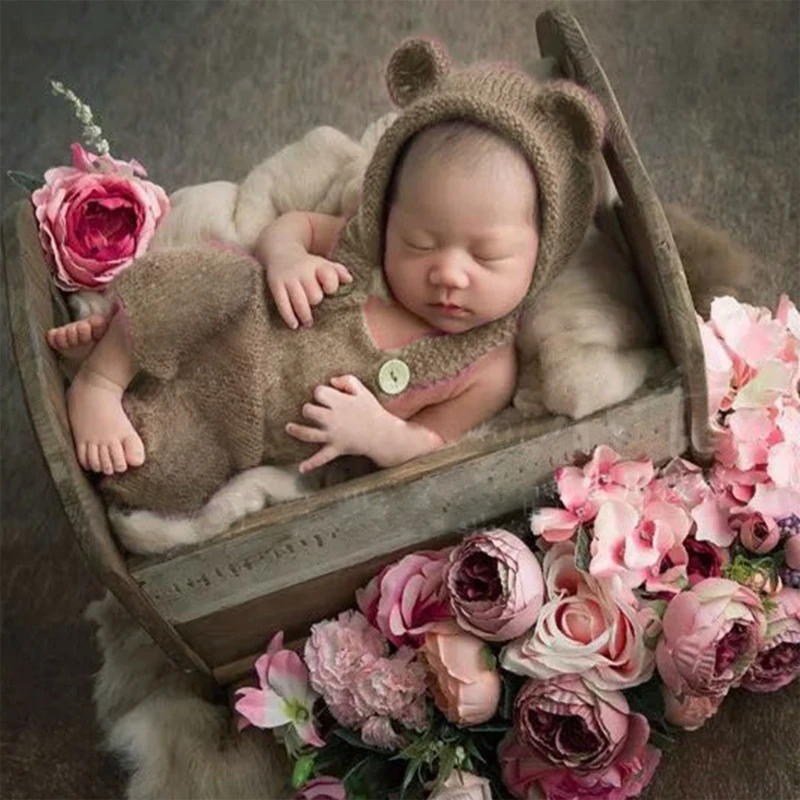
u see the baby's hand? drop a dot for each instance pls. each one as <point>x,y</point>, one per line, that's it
<point>347,418</point>
<point>300,281</point>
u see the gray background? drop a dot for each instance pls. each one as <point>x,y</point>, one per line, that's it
<point>199,91</point>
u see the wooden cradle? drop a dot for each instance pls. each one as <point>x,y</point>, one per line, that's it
<point>212,607</point>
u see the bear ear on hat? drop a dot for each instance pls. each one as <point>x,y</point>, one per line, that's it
<point>416,67</point>
<point>577,112</point>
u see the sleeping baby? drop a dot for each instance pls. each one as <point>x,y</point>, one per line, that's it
<point>387,335</point>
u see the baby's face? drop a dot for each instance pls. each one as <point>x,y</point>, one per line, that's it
<point>461,242</point>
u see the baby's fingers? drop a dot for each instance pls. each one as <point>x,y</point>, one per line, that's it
<point>284,304</point>
<point>331,275</point>
<point>299,300</point>
<point>346,383</point>
<point>320,458</point>
<point>305,433</point>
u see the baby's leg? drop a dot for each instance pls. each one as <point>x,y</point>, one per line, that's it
<point>105,440</point>
<point>77,339</point>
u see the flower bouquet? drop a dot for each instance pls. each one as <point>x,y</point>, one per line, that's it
<point>554,667</point>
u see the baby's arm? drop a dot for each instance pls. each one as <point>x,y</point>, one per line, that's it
<point>295,249</point>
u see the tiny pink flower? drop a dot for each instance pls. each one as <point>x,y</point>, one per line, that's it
<point>324,787</point>
<point>284,697</point>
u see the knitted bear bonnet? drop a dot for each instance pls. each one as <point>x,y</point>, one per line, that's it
<point>558,127</point>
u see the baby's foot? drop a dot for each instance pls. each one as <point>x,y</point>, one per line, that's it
<point>76,339</point>
<point>105,440</point>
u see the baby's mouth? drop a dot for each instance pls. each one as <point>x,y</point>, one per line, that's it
<point>450,309</point>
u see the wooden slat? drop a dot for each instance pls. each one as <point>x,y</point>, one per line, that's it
<point>33,305</point>
<point>369,517</point>
<point>643,221</point>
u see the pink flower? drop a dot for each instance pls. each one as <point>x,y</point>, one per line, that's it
<point>406,597</point>
<point>322,788</point>
<point>571,741</point>
<point>95,218</point>
<point>393,687</point>
<point>582,490</point>
<point>791,551</point>
<point>284,696</point>
<point>583,629</point>
<point>712,633</point>
<point>632,544</point>
<point>757,533</point>
<point>783,461</point>
<point>778,661</point>
<point>379,732</point>
<point>335,652</point>
<point>689,711</point>
<point>495,585</point>
<point>465,688</point>
<point>705,560</point>
<point>462,785</point>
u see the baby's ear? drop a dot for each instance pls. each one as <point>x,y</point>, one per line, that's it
<point>577,112</point>
<point>416,67</point>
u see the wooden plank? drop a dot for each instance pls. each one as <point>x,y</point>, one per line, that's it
<point>34,306</point>
<point>643,221</point>
<point>233,633</point>
<point>473,482</point>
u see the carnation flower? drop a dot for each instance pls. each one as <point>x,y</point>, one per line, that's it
<point>379,732</point>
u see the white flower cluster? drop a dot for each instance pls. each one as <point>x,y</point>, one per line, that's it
<point>92,134</point>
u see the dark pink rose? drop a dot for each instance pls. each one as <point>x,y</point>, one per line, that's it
<point>573,725</point>
<point>778,660</point>
<point>495,585</point>
<point>711,635</point>
<point>322,788</point>
<point>95,218</point>
<point>407,597</point>
<point>757,533</point>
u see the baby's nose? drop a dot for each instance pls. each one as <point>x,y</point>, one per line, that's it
<point>450,271</point>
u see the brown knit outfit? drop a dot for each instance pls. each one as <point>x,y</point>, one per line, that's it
<point>221,374</point>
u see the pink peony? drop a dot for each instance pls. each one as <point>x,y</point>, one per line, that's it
<point>284,697</point>
<point>705,560</point>
<point>495,585</point>
<point>583,490</point>
<point>584,628</point>
<point>406,597</point>
<point>379,732</point>
<point>393,687</point>
<point>712,633</point>
<point>95,218</point>
<point>571,741</point>
<point>335,652</point>
<point>778,661</point>
<point>322,788</point>
<point>465,688</point>
<point>632,544</point>
<point>689,711</point>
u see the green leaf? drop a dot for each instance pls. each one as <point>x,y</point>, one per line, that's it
<point>647,699</point>
<point>489,658</point>
<point>490,727</point>
<point>355,741</point>
<point>26,182</point>
<point>582,555</point>
<point>447,762</point>
<point>411,773</point>
<point>303,768</point>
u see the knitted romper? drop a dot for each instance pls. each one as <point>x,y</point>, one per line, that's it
<point>220,374</point>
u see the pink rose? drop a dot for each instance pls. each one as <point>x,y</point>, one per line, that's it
<point>462,785</point>
<point>689,711</point>
<point>495,585</point>
<point>757,533</point>
<point>712,633</point>
<point>778,661</point>
<point>464,687</point>
<point>95,218</point>
<point>572,741</point>
<point>322,788</point>
<point>335,652</point>
<point>584,628</point>
<point>406,597</point>
<point>705,560</point>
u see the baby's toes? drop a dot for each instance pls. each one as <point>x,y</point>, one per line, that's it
<point>105,459</point>
<point>117,453</point>
<point>93,457</point>
<point>97,325</point>
<point>83,332</point>
<point>134,450</point>
<point>82,452</point>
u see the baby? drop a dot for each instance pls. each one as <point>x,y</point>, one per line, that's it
<point>476,196</point>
